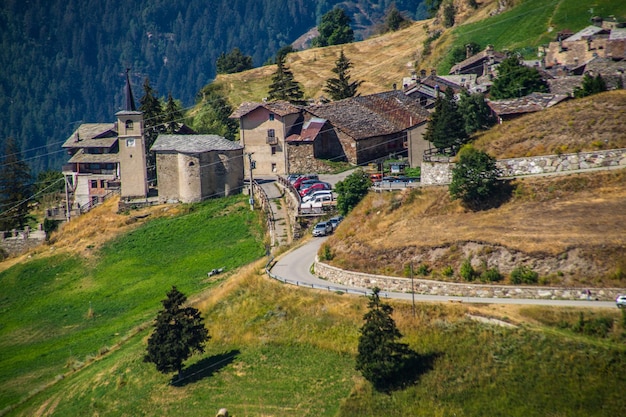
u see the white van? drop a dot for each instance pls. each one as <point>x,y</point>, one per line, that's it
<point>315,194</point>
<point>318,201</point>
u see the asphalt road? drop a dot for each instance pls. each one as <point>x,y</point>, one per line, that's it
<point>294,267</point>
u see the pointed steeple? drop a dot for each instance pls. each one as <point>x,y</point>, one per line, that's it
<point>130,101</point>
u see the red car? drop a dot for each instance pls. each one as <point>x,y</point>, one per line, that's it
<point>315,187</point>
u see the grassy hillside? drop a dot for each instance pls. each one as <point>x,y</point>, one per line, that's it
<point>60,310</point>
<point>384,60</point>
<point>282,351</point>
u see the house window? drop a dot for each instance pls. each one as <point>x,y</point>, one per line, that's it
<point>271,137</point>
<point>130,143</point>
<point>273,167</point>
<point>129,124</point>
<point>102,184</point>
<point>94,184</point>
<point>273,150</point>
<point>271,117</point>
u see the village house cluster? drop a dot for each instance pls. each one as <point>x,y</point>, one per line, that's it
<point>279,138</point>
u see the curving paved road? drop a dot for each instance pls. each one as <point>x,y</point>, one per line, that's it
<point>294,267</point>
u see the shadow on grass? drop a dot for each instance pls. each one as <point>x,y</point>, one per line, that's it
<point>204,368</point>
<point>502,193</point>
<point>414,366</point>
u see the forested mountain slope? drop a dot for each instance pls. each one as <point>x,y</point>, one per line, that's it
<point>63,61</point>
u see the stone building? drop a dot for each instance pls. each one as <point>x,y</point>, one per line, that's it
<point>192,168</point>
<point>107,157</point>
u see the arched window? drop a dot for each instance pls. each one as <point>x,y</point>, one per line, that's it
<point>129,124</point>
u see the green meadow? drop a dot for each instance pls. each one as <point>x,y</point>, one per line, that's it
<point>60,312</point>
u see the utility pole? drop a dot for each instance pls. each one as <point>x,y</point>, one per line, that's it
<point>412,287</point>
<point>252,163</point>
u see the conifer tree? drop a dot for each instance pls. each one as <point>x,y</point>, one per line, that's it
<point>590,85</point>
<point>15,188</point>
<point>475,112</point>
<point>516,80</point>
<point>232,62</point>
<point>152,110</point>
<point>340,87</point>
<point>446,128</point>
<point>173,116</point>
<point>284,86</point>
<point>334,29</point>
<point>178,332</point>
<point>213,114</point>
<point>381,359</point>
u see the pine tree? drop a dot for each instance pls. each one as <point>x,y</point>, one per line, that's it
<point>334,29</point>
<point>590,85</point>
<point>15,188</point>
<point>475,112</point>
<point>381,359</point>
<point>516,80</point>
<point>173,116</point>
<point>341,87</point>
<point>446,128</point>
<point>232,62</point>
<point>284,86</point>
<point>178,332</point>
<point>152,110</point>
<point>213,114</point>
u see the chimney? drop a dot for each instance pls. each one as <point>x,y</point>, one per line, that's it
<point>468,51</point>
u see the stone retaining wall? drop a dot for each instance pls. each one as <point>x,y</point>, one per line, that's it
<point>448,289</point>
<point>16,242</point>
<point>440,172</point>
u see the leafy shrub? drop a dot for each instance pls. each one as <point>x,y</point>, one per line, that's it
<point>447,271</point>
<point>327,254</point>
<point>467,271</point>
<point>524,275</point>
<point>491,275</point>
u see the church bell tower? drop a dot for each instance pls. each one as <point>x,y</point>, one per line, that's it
<point>132,148</point>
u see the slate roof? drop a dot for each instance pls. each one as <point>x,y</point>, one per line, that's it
<point>586,32</point>
<point>310,130</point>
<point>193,144</point>
<point>93,135</point>
<point>280,107</point>
<point>565,85</point>
<point>476,60</point>
<point>528,104</point>
<point>94,158</point>
<point>373,115</point>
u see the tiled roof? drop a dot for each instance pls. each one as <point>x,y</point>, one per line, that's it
<point>588,31</point>
<point>93,135</point>
<point>564,85</point>
<point>310,130</point>
<point>193,143</point>
<point>527,104</point>
<point>476,60</point>
<point>374,115</point>
<point>97,158</point>
<point>281,108</point>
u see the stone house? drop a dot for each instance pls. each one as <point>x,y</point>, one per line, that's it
<point>107,157</point>
<point>192,168</point>
<point>284,138</point>
<point>263,129</point>
<point>509,109</point>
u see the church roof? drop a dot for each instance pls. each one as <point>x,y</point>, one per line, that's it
<point>193,144</point>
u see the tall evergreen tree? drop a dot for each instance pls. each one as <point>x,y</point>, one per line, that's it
<point>213,114</point>
<point>232,62</point>
<point>284,86</point>
<point>172,116</point>
<point>516,80</point>
<point>475,112</point>
<point>381,359</point>
<point>152,110</point>
<point>334,29</point>
<point>15,188</point>
<point>178,332</point>
<point>340,87</point>
<point>446,127</point>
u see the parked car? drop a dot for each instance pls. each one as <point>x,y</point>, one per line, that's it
<point>318,202</point>
<point>620,301</point>
<point>306,184</point>
<point>322,229</point>
<point>315,194</point>
<point>335,221</point>
<point>303,178</point>
<point>315,187</point>
<point>293,177</point>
